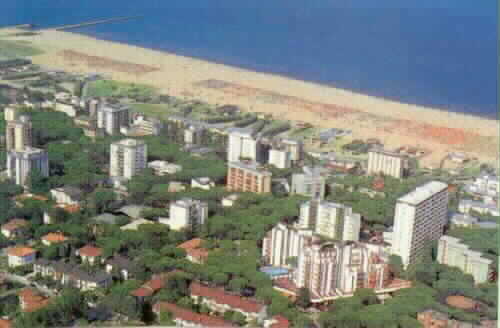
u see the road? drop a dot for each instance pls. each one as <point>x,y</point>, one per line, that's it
<point>26,282</point>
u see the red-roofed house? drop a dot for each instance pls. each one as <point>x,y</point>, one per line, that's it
<point>90,254</point>
<point>53,238</point>
<point>187,318</point>
<point>4,323</point>
<point>220,301</point>
<point>194,252</point>
<point>21,255</point>
<point>156,283</point>
<point>14,228</point>
<point>31,301</point>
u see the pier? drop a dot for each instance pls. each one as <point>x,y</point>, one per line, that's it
<point>90,23</point>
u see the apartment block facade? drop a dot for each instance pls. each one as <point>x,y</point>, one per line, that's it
<point>420,217</point>
<point>187,212</point>
<point>329,219</point>
<point>127,158</point>
<point>21,163</point>
<point>18,134</point>
<point>310,183</point>
<point>456,254</point>
<point>241,145</point>
<point>387,163</point>
<point>111,117</point>
<point>248,177</point>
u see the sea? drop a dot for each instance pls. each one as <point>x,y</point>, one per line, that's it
<point>438,53</point>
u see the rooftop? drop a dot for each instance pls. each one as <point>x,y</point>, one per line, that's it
<point>113,108</point>
<point>423,192</point>
<point>105,218</point>
<point>135,224</point>
<point>221,297</point>
<point>190,316</point>
<point>89,250</point>
<point>241,132</point>
<point>55,237</point>
<point>251,166</point>
<point>129,142</point>
<point>21,251</point>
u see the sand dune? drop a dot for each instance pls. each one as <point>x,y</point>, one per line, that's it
<point>394,123</point>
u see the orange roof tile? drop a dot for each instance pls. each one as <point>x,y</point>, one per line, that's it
<point>193,248</point>
<point>141,292</point>
<point>20,251</point>
<point>190,316</point>
<point>55,237</point>
<point>5,323</point>
<point>221,297</point>
<point>31,300</point>
<point>89,250</point>
<point>69,208</point>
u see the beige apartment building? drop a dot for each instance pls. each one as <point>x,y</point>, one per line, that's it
<point>248,177</point>
<point>387,163</point>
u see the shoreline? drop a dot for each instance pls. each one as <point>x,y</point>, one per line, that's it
<point>367,116</point>
<point>292,78</point>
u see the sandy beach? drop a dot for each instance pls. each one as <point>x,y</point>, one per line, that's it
<point>395,124</point>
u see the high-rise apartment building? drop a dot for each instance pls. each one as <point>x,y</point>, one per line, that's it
<point>387,163</point>
<point>242,145</point>
<point>339,268</point>
<point>311,183</point>
<point>329,219</point>
<point>283,244</point>
<point>187,212</point>
<point>18,133</point>
<point>127,158</point>
<point>420,217</point>
<point>327,269</point>
<point>248,177</point>
<point>111,117</point>
<point>456,254</point>
<point>280,158</point>
<point>21,163</point>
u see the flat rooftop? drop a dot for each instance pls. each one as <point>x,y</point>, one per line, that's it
<point>251,166</point>
<point>423,192</point>
<point>129,142</point>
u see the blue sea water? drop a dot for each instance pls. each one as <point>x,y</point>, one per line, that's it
<point>439,53</point>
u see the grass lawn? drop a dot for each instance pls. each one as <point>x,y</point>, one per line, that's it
<point>159,111</point>
<point>13,49</point>
<point>109,88</point>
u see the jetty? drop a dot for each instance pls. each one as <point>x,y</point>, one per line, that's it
<point>90,23</point>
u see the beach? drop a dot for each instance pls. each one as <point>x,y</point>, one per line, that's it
<point>395,124</point>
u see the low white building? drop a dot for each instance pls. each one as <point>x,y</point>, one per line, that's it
<point>229,200</point>
<point>20,255</point>
<point>162,168</point>
<point>204,183</point>
<point>66,195</point>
